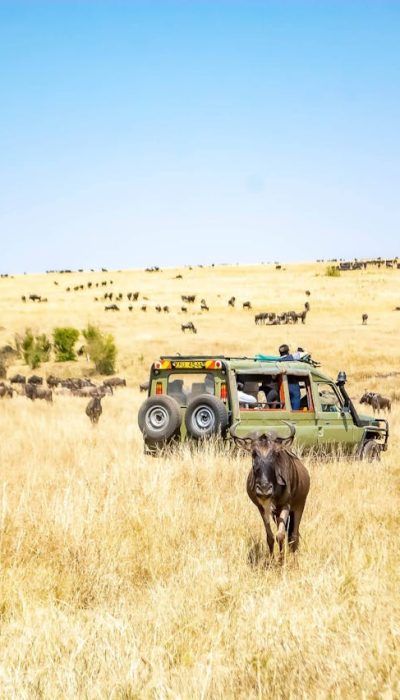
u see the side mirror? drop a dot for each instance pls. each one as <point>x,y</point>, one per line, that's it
<point>342,377</point>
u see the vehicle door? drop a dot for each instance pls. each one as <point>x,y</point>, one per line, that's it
<point>335,422</point>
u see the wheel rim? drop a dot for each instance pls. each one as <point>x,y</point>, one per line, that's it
<point>204,419</point>
<point>157,418</point>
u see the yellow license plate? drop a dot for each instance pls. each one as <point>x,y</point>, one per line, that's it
<point>188,364</point>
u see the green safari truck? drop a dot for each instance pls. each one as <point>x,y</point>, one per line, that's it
<point>196,397</point>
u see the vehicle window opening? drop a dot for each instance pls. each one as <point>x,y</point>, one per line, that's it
<point>330,400</point>
<point>300,393</point>
<point>184,387</point>
<point>263,392</point>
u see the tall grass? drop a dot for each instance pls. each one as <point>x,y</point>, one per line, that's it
<point>125,576</point>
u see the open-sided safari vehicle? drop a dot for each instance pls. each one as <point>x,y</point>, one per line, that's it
<point>195,397</point>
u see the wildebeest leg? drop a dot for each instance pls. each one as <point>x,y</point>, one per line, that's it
<point>295,518</point>
<point>282,522</point>
<point>270,535</point>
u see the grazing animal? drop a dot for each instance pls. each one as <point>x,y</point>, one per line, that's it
<point>204,307</point>
<point>377,401</point>
<point>143,308</point>
<point>94,409</point>
<point>5,391</point>
<point>231,301</point>
<point>158,308</point>
<point>166,309</point>
<point>184,309</point>
<point>111,307</point>
<point>308,292</point>
<point>18,379</point>
<point>33,391</point>
<point>364,319</point>
<point>278,484</point>
<point>114,381</point>
<point>247,304</point>
<point>189,327</point>
<point>35,379</point>
<point>52,381</point>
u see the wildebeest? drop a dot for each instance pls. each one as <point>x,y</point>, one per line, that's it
<point>247,304</point>
<point>35,379</point>
<point>53,381</point>
<point>184,309</point>
<point>158,308</point>
<point>377,401</point>
<point>188,298</point>
<point>18,379</point>
<point>94,409</point>
<point>114,381</point>
<point>231,301</point>
<point>204,307</point>
<point>364,319</point>
<point>5,390</point>
<point>308,292</point>
<point>189,327</point>
<point>111,307</point>
<point>278,484</point>
<point>33,391</point>
<point>166,309</point>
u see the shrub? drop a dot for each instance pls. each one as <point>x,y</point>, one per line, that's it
<point>34,349</point>
<point>64,341</point>
<point>101,349</point>
<point>332,271</point>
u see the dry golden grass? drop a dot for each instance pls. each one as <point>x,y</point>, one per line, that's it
<point>125,576</point>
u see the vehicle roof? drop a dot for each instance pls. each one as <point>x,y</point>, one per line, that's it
<point>243,364</point>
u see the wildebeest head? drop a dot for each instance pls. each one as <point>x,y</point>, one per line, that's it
<point>269,461</point>
<point>367,397</point>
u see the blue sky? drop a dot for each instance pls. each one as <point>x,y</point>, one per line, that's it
<point>171,133</point>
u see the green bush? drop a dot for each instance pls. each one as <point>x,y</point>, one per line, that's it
<point>332,271</point>
<point>64,341</point>
<point>34,349</point>
<point>101,349</point>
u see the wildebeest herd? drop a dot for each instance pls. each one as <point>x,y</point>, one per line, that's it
<point>33,388</point>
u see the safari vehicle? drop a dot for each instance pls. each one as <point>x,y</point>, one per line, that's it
<point>197,397</point>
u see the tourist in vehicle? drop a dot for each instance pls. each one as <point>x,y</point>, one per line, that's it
<point>270,389</point>
<point>243,397</point>
<point>294,388</point>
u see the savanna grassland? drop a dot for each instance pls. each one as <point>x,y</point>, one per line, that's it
<point>125,576</point>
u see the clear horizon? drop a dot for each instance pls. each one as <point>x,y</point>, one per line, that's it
<point>172,134</point>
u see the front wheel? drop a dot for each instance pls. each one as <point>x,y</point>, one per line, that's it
<point>371,451</point>
<point>206,415</point>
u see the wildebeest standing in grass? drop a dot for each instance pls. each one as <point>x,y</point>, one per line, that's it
<point>364,319</point>
<point>94,409</point>
<point>278,484</point>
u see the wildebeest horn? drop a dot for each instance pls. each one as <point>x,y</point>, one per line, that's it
<point>292,428</point>
<point>233,427</point>
<point>289,439</point>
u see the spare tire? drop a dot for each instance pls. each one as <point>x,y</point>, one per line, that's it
<point>159,417</point>
<point>206,415</point>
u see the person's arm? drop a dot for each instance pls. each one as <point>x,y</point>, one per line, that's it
<point>246,398</point>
